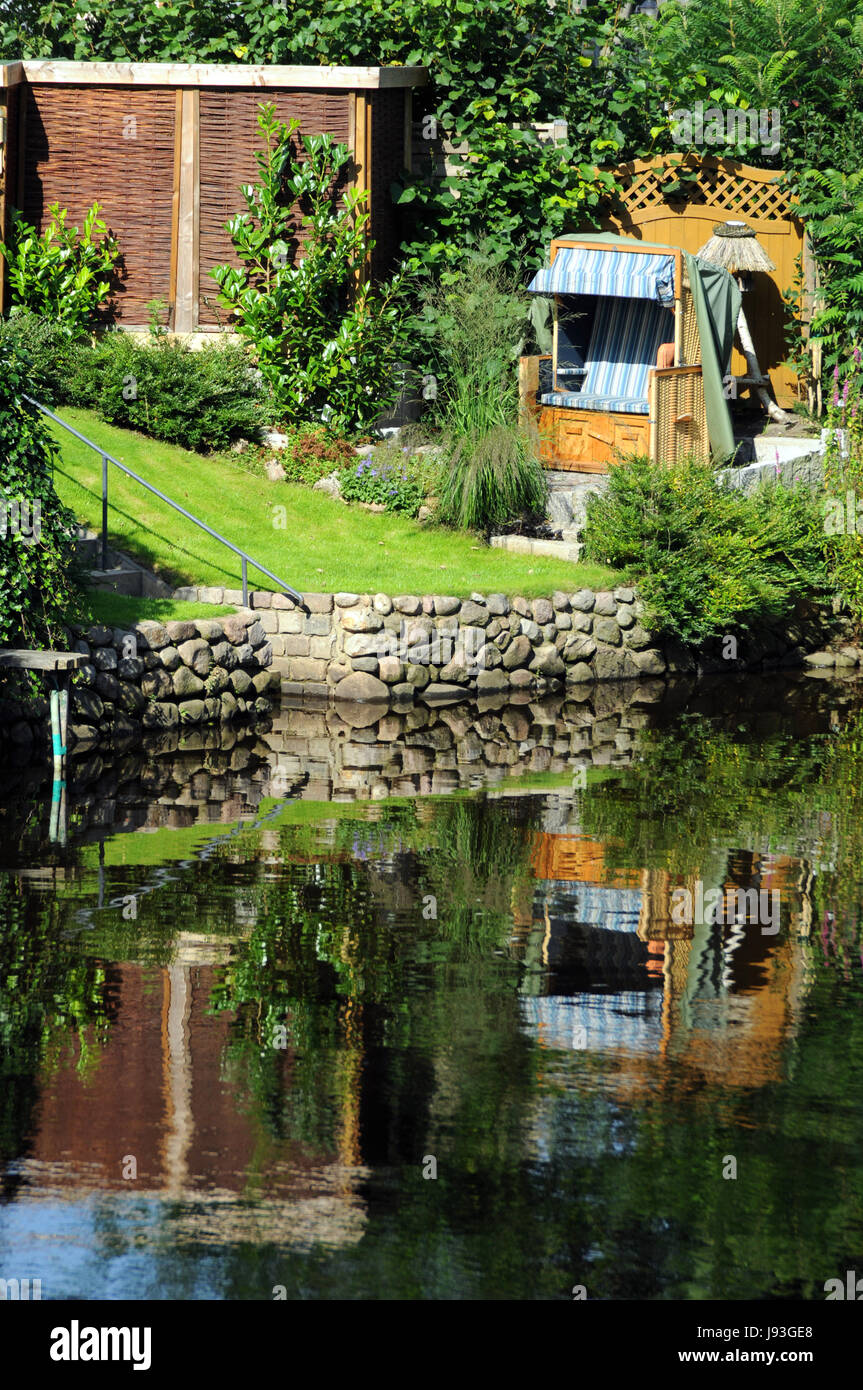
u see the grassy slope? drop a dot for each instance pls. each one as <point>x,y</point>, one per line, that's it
<point>122,610</point>
<point>325,546</point>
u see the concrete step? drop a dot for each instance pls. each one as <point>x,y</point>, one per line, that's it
<point>526,545</point>
<point>123,575</point>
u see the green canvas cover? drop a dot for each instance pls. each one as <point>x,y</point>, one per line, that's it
<point>717,304</point>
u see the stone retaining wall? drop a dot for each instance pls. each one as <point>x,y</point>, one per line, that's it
<point>155,676</point>
<point>363,647</point>
<point>373,647</point>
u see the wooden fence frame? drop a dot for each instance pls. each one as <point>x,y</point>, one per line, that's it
<point>188,79</point>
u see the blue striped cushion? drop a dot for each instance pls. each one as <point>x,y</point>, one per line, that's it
<point>576,400</point>
<point>623,347</point>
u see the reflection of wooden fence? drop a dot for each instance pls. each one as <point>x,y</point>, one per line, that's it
<point>721,189</point>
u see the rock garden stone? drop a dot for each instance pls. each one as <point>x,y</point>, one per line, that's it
<point>391,670</point>
<point>197,655</point>
<point>543,611</point>
<point>151,635</point>
<point>607,630</point>
<point>518,653</point>
<point>637,638</point>
<point>241,681</point>
<point>492,680</point>
<point>648,663</point>
<point>474,614</point>
<point>445,605</point>
<point>186,683</point>
<point>157,685</point>
<point>160,715</point>
<point>488,657</point>
<point>234,629</point>
<point>331,485</point>
<point>547,662</point>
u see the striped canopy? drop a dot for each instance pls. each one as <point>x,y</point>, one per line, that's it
<point>600,270</point>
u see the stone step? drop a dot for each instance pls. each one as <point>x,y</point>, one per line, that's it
<point>526,545</point>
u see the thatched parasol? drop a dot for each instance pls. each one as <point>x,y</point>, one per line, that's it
<point>735,247</point>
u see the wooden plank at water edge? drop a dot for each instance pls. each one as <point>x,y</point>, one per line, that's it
<point>41,661</point>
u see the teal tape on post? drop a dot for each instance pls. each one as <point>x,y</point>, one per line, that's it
<point>57,790</point>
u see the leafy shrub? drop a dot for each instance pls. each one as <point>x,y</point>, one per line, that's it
<point>63,274</point>
<point>202,399</point>
<point>53,356</point>
<point>477,326</point>
<point>313,453</point>
<point>708,558</point>
<point>385,480</point>
<point>39,575</point>
<point>325,343</point>
<point>843,481</point>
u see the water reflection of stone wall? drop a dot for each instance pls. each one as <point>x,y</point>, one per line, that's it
<point>362,752</point>
<point>180,778</point>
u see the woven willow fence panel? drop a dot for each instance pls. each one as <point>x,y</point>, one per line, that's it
<point>721,189</point>
<point>229,137</point>
<point>112,146</point>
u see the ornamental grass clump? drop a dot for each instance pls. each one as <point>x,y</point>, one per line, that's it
<point>491,474</point>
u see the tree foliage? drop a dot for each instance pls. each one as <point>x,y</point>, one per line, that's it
<point>38,589</point>
<point>325,344</point>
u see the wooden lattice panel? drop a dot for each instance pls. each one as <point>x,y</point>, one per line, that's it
<point>721,189</point>
<point>737,189</point>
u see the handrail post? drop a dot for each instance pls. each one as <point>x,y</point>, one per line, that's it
<point>245,582</point>
<point>104,512</point>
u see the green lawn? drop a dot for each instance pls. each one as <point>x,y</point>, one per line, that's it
<point>322,546</point>
<point>122,610</point>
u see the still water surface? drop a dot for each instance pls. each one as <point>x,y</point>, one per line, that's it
<point>409,1007</point>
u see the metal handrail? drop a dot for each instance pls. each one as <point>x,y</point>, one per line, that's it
<point>109,458</point>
